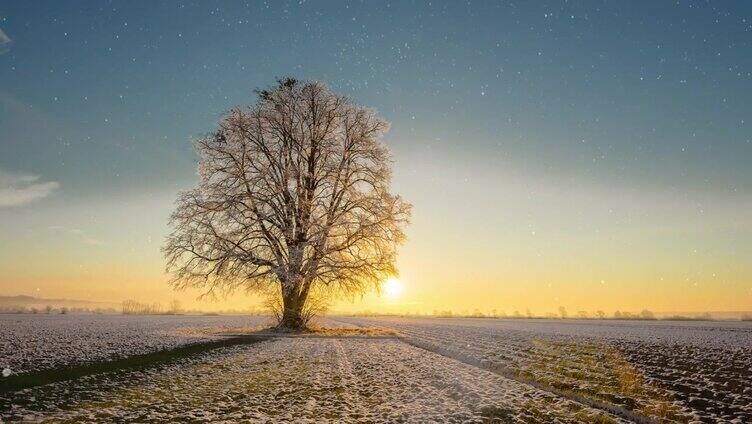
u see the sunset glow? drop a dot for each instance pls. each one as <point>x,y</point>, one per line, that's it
<point>392,287</point>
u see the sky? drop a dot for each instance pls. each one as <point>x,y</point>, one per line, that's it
<point>593,155</point>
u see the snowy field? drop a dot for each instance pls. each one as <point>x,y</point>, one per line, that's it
<point>40,341</point>
<point>671,371</point>
<point>301,380</point>
<point>437,370</point>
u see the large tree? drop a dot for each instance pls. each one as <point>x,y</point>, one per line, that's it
<point>294,195</point>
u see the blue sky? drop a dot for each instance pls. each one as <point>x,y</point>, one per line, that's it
<point>618,115</point>
<point>594,90</point>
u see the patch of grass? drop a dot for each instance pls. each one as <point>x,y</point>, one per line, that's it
<point>345,332</point>
<point>599,372</point>
<point>315,331</point>
<point>535,414</point>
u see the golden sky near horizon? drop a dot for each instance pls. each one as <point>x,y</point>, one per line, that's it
<point>562,247</point>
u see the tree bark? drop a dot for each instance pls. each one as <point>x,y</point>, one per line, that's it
<point>292,311</point>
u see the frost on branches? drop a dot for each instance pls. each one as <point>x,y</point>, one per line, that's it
<point>294,197</point>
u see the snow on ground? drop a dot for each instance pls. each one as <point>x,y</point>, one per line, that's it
<point>673,371</point>
<point>676,372</point>
<point>38,342</point>
<point>301,380</point>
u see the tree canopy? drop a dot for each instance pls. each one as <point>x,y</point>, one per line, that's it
<point>294,193</point>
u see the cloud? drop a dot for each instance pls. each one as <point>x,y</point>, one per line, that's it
<point>18,189</point>
<point>5,42</point>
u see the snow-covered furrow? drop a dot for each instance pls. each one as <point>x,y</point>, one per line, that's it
<point>301,380</point>
<point>672,372</point>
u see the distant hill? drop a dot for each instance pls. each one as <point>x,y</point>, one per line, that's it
<point>31,301</point>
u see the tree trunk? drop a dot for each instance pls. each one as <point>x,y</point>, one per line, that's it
<point>292,311</point>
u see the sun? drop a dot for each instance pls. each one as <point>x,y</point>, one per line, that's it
<point>392,287</point>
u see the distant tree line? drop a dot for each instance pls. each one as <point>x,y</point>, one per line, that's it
<point>644,315</point>
<point>128,307</point>
<point>132,307</point>
<point>49,309</point>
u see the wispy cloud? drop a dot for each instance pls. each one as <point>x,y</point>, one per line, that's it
<point>5,42</point>
<point>18,189</point>
<point>77,233</point>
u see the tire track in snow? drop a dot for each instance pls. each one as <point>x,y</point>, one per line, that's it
<point>347,379</point>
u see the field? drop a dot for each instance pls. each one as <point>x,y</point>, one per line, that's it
<point>190,368</point>
<point>660,370</point>
<point>39,342</point>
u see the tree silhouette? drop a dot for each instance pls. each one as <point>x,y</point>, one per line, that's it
<point>294,193</point>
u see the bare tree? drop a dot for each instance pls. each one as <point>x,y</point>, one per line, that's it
<point>294,191</point>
